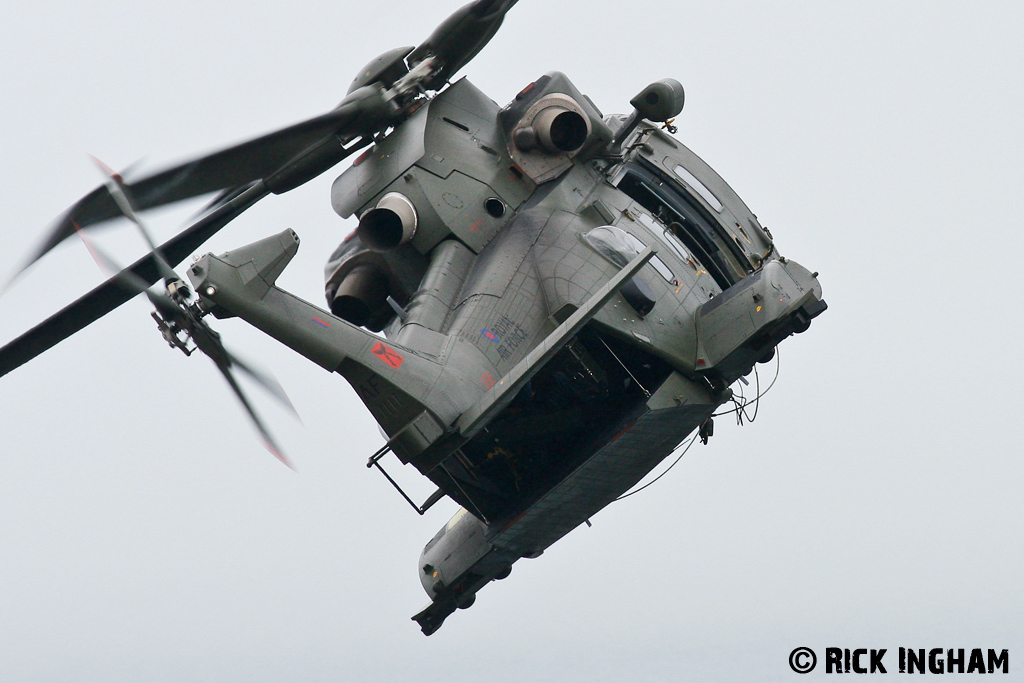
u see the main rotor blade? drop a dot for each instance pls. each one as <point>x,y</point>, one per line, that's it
<point>283,159</point>
<point>461,36</point>
<point>115,291</point>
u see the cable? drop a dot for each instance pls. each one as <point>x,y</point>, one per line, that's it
<point>757,390</point>
<point>778,365</point>
<point>742,403</point>
<point>740,410</point>
<point>642,388</point>
<point>631,493</point>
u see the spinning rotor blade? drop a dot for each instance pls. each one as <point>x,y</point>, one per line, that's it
<point>130,280</point>
<point>460,37</point>
<point>117,290</point>
<point>283,159</point>
<point>209,341</point>
<point>266,381</point>
<point>268,441</point>
<point>161,301</point>
<point>122,197</point>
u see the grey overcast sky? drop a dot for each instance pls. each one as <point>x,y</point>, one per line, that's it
<point>876,502</point>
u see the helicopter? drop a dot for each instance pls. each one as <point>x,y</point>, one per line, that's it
<point>539,304</point>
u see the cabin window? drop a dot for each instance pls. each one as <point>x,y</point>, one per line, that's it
<point>667,237</point>
<point>658,264</point>
<point>675,207</point>
<point>619,247</point>
<point>698,187</point>
<point>611,243</point>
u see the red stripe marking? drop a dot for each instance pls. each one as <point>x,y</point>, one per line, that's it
<point>505,528</point>
<point>628,427</point>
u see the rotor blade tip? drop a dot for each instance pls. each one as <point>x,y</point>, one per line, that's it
<point>10,281</point>
<point>16,275</point>
<point>279,455</point>
<point>106,169</point>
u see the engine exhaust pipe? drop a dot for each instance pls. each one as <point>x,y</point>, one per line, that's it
<point>362,296</point>
<point>555,130</point>
<point>390,224</point>
<point>560,130</point>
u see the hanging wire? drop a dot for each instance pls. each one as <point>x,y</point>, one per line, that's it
<point>676,461</point>
<point>740,410</point>
<point>742,403</point>
<point>642,388</point>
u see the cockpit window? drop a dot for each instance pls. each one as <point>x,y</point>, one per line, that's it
<point>698,187</point>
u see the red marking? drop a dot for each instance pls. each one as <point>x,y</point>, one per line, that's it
<point>92,251</point>
<point>321,321</point>
<point>106,169</point>
<point>513,521</point>
<point>525,90</point>
<point>473,227</point>
<point>361,158</point>
<point>628,427</point>
<point>700,361</point>
<point>279,455</point>
<point>487,379</point>
<point>388,355</point>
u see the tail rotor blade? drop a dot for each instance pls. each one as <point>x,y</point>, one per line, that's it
<point>268,441</point>
<point>264,379</point>
<point>213,347</point>
<point>114,292</point>
<point>123,198</point>
<point>129,279</point>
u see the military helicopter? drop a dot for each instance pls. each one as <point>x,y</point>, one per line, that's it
<point>539,305</point>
